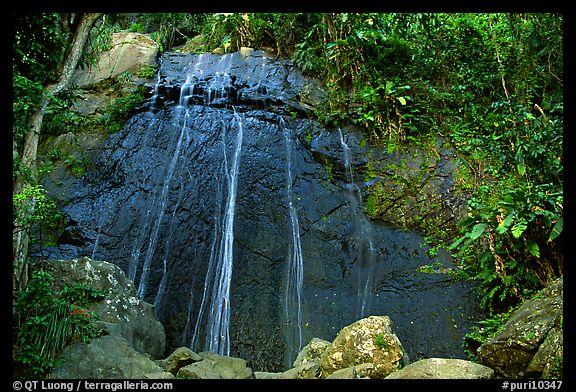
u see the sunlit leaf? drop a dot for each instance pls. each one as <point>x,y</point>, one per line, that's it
<point>455,244</point>
<point>477,230</point>
<point>402,100</point>
<point>521,169</point>
<point>533,249</point>
<point>389,86</point>
<point>556,230</point>
<point>518,229</point>
<point>505,224</point>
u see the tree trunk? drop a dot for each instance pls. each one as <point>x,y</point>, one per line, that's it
<point>21,238</point>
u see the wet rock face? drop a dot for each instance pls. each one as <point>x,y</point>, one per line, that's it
<point>168,163</point>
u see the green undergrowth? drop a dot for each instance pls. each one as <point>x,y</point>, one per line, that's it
<point>47,319</point>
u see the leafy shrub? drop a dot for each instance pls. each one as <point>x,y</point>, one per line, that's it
<point>47,320</point>
<point>146,72</point>
<point>483,331</point>
<point>33,206</point>
<point>121,109</point>
<point>137,28</point>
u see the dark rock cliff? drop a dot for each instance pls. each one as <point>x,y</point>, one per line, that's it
<point>156,193</point>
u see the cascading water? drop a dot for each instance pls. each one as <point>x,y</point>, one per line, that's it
<point>98,231</point>
<point>154,213</point>
<point>219,270</point>
<point>163,198</point>
<point>190,270</point>
<point>295,264</point>
<point>362,235</point>
<point>155,93</point>
<point>209,272</point>
<point>218,327</point>
<point>167,248</point>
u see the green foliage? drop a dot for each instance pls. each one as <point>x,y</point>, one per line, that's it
<point>147,72</point>
<point>59,119</point>
<point>46,320</point>
<point>483,331</point>
<point>40,42</point>
<point>121,109</point>
<point>75,165</point>
<point>137,28</point>
<point>33,206</point>
<point>381,342</point>
<point>27,96</point>
<point>167,29</point>
<point>99,41</point>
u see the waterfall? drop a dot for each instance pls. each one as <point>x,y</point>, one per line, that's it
<point>295,264</point>
<point>167,248</point>
<point>139,241</point>
<point>362,235</point>
<point>163,199</point>
<point>218,326</point>
<point>211,262</point>
<point>155,93</point>
<point>216,294</point>
<point>100,221</point>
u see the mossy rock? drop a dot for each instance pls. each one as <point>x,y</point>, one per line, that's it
<point>368,340</point>
<point>181,357</point>
<point>312,352</point>
<point>513,353</point>
<point>443,368</point>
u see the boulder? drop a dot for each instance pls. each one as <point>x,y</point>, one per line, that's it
<point>359,371</point>
<point>121,313</point>
<point>443,368</point>
<point>181,357</point>
<point>511,352</point>
<point>308,370</point>
<point>215,366</point>
<point>368,340</point>
<point>203,370</point>
<point>548,361</point>
<point>159,376</point>
<point>129,52</point>
<point>312,351</point>
<point>266,375</point>
<point>106,357</point>
<point>88,103</point>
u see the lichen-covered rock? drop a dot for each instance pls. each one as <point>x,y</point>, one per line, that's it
<point>106,357</point>
<point>312,351</point>
<point>121,312</point>
<point>181,357</point>
<point>308,370</point>
<point>443,368</point>
<point>353,372</point>
<point>510,352</point>
<point>548,361</point>
<point>266,375</point>
<point>368,340</point>
<point>129,52</point>
<point>216,367</point>
<point>159,376</point>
